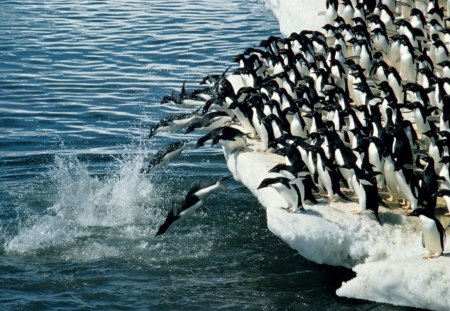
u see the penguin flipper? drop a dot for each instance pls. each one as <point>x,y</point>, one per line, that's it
<point>343,196</point>
<point>378,218</point>
<point>380,200</point>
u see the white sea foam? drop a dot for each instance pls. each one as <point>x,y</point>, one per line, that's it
<point>84,201</point>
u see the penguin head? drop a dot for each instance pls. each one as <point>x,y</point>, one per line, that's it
<point>268,182</point>
<point>445,159</point>
<point>441,193</point>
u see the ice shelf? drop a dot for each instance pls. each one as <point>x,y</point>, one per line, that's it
<point>387,259</point>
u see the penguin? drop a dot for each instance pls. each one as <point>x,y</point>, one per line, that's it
<point>428,184</point>
<point>231,138</point>
<point>328,176</point>
<point>193,200</point>
<point>408,185</point>
<point>289,192</point>
<point>366,191</point>
<point>164,156</point>
<point>173,122</point>
<point>445,194</point>
<point>433,233</point>
<point>184,98</point>
<point>298,176</point>
<point>210,121</point>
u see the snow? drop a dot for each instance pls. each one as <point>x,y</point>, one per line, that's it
<point>387,259</point>
<point>406,282</point>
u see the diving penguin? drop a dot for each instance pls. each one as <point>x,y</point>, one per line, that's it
<point>165,156</point>
<point>193,200</point>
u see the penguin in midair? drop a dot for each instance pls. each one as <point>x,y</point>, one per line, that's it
<point>230,137</point>
<point>165,156</point>
<point>193,200</point>
<point>210,121</point>
<point>173,122</point>
<point>433,233</point>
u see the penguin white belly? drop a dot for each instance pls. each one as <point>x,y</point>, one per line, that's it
<point>296,128</point>
<point>362,198</point>
<point>238,143</point>
<point>391,180</point>
<point>245,122</point>
<point>289,195</point>
<point>188,212</point>
<point>202,193</point>
<point>430,235</point>
<point>217,122</point>
<point>324,177</point>
<point>407,68</point>
<point>405,189</point>
<point>236,82</point>
<point>170,156</point>
<point>378,162</point>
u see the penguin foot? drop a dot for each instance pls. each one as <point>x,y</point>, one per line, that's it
<point>447,214</point>
<point>390,199</point>
<point>406,207</point>
<point>332,198</point>
<point>356,212</point>
<point>430,256</point>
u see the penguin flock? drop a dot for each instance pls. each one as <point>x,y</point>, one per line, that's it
<point>358,108</point>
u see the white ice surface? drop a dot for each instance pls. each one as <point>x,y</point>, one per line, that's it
<point>387,259</point>
<point>296,15</point>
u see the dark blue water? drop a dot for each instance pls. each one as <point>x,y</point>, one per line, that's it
<point>80,83</point>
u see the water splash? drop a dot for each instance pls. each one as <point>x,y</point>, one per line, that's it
<point>85,202</point>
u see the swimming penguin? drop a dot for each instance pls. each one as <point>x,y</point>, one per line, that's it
<point>433,233</point>
<point>289,192</point>
<point>193,200</point>
<point>165,156</point>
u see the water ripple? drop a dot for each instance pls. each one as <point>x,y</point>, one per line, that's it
<point>95,68</point>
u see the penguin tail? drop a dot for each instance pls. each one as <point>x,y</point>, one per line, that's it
<point>312,199</point>
<point>221,180</point>
<point>226,177</point>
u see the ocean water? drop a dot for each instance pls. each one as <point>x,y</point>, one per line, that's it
<point>80,84</point>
